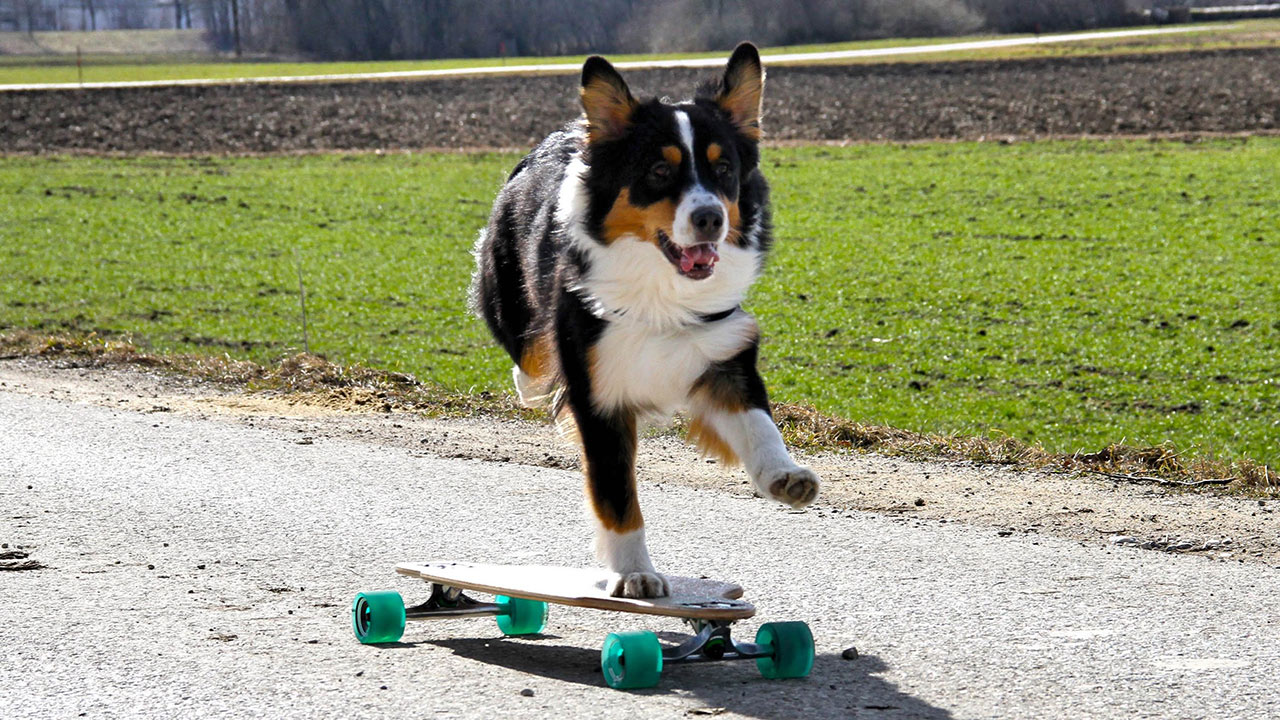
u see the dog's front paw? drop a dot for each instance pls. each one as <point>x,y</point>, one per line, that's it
<point>795,486</point>
<point>639,585</point>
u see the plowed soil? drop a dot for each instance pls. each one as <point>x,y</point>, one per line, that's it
<point>1228,91</point>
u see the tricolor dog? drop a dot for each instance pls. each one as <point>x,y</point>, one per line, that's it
<point>612,270</point>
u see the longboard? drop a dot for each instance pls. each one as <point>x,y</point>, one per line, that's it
<point>691,598</point>
<point>632,659</point>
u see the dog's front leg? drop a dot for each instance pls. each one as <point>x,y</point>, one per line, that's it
<point>608,462</point>
<point>731,421</point>
<point>608,437</point>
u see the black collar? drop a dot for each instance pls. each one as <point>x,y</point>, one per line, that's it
<point>713,317</point>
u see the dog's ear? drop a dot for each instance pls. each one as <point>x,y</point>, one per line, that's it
<point>741,90</point>
<point>606,100</point>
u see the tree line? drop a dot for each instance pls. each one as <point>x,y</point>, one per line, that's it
<point>387,29</point>
<point>394,29</point>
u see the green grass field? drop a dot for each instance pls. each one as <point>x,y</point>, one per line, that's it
<point>123,66</point>
<point>1070,293</point>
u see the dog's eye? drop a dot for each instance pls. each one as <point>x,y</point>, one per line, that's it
<point>660,172</point>
<point>723,168</point>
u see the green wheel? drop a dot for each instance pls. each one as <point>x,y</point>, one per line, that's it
<point>378,617</point>
<point>631,660</point>
<point>521,617</point>
<point>792,650</point>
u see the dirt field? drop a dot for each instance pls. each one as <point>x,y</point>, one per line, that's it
<point>1195,92</point>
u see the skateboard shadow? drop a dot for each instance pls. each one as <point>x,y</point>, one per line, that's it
<point>534,655</point>
<point>836,687</point>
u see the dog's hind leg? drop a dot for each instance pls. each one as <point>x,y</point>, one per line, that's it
<point>534,375</point>
<point>731,421</point>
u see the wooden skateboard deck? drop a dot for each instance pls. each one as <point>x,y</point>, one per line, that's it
<point>691,598</point>
<point>628,659</point>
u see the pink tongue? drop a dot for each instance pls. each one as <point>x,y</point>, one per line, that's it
<point>702,254</point>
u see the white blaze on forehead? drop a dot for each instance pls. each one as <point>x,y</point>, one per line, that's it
<point>696,195</point>
<point>686,136</point>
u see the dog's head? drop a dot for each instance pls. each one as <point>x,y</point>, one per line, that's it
<point>671,174</point>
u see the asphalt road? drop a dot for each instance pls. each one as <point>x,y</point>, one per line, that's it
<point>204,568</point>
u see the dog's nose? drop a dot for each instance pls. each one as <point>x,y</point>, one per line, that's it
<point>707,221</point>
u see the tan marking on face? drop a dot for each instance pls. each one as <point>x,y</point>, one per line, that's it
<point>642,222</point>
<point>710,444</point>
<point>672,155</point>
<point>714,151</point>
<point>536,360</point>
<point>735,221</point>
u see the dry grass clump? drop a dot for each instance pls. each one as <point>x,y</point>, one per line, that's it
<point>302,378</point>
<point>1164,464</point>
<point>25,343</point>
<point>808,428</point>
<point>1161,465</point>
<point>311,379</point>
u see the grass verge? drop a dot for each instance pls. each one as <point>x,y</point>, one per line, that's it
<point>1072,295</point>
<point>303,377</point>
<point>313,380</point>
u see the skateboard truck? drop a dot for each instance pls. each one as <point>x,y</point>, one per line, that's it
<point>379,617</point>
<point>711,641</point>
<point>450,602</point>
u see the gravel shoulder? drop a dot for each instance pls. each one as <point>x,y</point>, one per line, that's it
<point>1006,503</point>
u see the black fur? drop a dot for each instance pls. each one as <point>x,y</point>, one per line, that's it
<point>736,381</point>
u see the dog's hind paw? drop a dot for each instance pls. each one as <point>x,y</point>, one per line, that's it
<point>533,392</point>
<point>639,585</point>
<point>796,486</point>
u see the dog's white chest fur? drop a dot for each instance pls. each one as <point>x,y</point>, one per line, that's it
<point>637,366</point>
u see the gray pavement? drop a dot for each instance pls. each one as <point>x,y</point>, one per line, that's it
<point>204,568</point>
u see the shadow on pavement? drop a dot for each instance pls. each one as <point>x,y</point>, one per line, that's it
<point>836,688</point>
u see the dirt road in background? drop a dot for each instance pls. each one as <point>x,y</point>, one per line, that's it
<point>1193,92</point>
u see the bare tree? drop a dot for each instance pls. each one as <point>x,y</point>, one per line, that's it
<point>235,24</point>
<point>87,10</point>
<point>385,29</point>
<point>1036,15</point>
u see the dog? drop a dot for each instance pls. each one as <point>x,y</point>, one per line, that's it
<point>612,270</point>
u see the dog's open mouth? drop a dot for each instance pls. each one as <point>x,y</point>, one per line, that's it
<point>695,262</point>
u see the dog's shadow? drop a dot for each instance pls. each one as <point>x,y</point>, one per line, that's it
<point>836,688</point>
